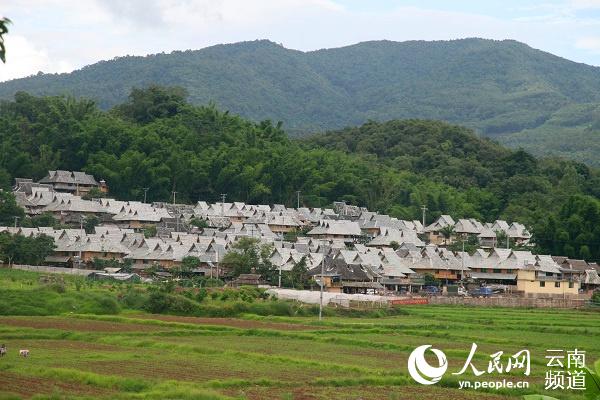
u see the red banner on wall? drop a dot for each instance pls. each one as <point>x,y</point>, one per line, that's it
<point>418,300</point>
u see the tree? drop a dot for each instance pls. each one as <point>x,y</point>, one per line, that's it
<point>4,22</point>
<point>470,245</point>
<point>25,250</point>
<point>45,219</point>
<point>502,239</point>
<point>9,209</point>
<point>90,223</point>
<point>249,256</point>
<point>243,257</point>
<point>431,280</point>
<point>148,104</point>
<point>394,245</point>
<point>265,268</point>
<point>149,231</point>
<point>299,278</point>
<point>94,193</point>
<point>188,264</point>
<point>198,222</point>
<point>447,232</point>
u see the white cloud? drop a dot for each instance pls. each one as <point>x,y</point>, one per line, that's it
<point>23,59</point>
<point>585,4</point>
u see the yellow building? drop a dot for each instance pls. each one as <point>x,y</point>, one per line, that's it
<point>531,280</point>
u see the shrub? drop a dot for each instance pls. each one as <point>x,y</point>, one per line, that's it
<point>45,301</point>
<point>201,295</point>
<point>134,299</point>
<point>157,302</point>
<point>58,287</point>
<point>103,304</point>
<point>161,302</point>
<point>181,305</point>
<point>188,293</point>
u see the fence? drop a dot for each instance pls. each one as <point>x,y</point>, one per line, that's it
<point>524,302</point>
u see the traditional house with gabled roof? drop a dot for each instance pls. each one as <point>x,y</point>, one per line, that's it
<point>433,230</point>
<point>487,237</point>
<point>466,227</point>
<point>342,277</point>
<point>518,233</point>
<point>388,236</point>
<point>75,182</point>
<point>336,230</point>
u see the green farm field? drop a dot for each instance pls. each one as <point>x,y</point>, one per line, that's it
<point>138,355</point>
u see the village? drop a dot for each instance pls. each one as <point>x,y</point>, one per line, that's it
<point>348,249</point>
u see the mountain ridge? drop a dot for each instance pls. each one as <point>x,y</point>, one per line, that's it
<point>500,88</point>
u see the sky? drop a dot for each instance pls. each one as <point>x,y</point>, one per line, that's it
<point>63,35</point>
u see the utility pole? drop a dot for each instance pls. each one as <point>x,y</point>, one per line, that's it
<point>174,193</point>
<point>280,275</point>
<point>322,284</point>
<point>145,193</point>
<point>217,253</point>
<point>81,218</point>
<point>16,219</point>
<point>424,208</point>
<point>297,199</point>
<point>462,262</point>
<point>223,195</point>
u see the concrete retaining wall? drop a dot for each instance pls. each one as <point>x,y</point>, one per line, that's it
<point>54,270</point>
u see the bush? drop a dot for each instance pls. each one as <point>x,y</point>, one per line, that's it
<point>157,302</point>
<point>45,301</point>
<point>161,302</point>
<point>201,295</point>
<point>103,304</point>
<point>135,299</point>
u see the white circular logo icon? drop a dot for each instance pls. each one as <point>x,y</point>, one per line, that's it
<point>421,371</point>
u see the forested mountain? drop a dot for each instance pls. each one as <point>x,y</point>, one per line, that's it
<point>159,141</point>
<point>505,89</point>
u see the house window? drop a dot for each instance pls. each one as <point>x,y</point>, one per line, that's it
<point>542,284</point>
<point>483,269</point>
<point>571,285</point>
<point>497,271</point>
<point>556,284</point>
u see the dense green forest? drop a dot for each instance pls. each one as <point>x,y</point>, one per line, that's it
<point>522,96</point>
<point>157,140</point>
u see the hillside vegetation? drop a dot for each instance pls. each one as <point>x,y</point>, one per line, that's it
<point>522,96</point>
<point>159,141</point>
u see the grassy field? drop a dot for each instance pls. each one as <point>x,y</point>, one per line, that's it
<point>137,355</point>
